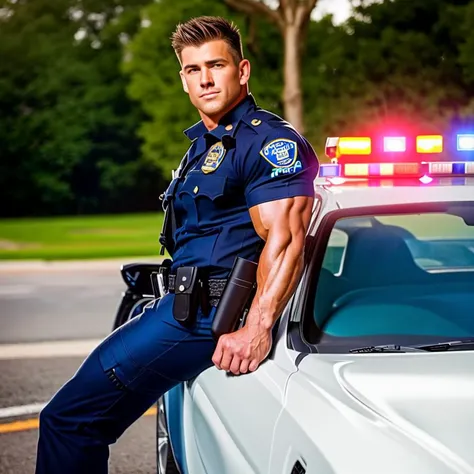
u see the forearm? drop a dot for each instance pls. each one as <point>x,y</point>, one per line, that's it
<point>279,270</point>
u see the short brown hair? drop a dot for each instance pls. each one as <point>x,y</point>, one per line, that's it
<point>203,29</point>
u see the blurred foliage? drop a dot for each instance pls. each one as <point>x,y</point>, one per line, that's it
<point>68,131</point>
<point>92,109</point>
<point>399,61</point>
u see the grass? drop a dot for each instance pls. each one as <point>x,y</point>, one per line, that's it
<point>84,237</point>
<point>136,235</point>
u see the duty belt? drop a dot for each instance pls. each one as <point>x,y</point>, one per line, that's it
<point>215,288</point>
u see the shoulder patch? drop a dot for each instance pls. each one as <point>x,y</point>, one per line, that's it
<point>281,153</point>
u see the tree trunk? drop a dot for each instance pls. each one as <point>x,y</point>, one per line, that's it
<point>292,95</point>
<point>292,18</point>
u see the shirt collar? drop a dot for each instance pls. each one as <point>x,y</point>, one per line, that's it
<point>227,124</point>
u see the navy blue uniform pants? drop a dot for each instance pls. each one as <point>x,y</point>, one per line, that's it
<point>116,384</point>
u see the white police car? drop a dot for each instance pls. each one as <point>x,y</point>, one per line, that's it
<point>372,369</point>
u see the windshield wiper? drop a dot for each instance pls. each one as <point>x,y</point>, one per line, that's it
<point>438,347</point>
<point>387,348</point>
<point>447,346</point>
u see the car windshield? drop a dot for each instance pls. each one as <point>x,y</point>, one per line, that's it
<point>396,279</point>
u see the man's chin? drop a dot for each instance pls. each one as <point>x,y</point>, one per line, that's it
<point>212,108</point>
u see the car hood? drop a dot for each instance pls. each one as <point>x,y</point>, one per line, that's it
<point>429,397</point>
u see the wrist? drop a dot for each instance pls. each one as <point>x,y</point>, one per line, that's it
<point>262,315</point>
<point>259,323</point>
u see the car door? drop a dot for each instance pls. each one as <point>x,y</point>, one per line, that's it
<point>229,420</point>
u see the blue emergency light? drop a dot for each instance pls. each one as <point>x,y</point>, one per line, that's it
<point>466,142</point>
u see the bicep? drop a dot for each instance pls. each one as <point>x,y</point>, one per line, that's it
<point>283,218</point>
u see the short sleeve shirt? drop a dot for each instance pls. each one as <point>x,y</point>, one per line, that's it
<point>251,158</point>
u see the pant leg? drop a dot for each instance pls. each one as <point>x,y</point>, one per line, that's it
<point>116,384</point>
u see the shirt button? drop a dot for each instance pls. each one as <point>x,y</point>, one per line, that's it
<point>229,127</point>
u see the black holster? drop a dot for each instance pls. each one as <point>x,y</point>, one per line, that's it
<point>236,298</point>
<point>188,293</point>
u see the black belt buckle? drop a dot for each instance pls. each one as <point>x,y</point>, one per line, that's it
<point>186,299</point>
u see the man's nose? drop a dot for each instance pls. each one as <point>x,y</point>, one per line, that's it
<point>206,77</point>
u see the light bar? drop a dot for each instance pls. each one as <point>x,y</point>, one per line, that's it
<point>354,146</point>
<point>425,170</point>
<point>395,144</point>
<point>381,169</point>
<point>429,144</point>
<point>466,142</point>
<point>457,168</point>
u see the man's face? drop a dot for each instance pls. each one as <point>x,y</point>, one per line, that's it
<point>214,82</point>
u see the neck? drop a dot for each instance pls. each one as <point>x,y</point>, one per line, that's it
<point>212,121</point>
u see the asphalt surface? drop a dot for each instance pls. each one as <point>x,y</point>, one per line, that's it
<point>60,302</point>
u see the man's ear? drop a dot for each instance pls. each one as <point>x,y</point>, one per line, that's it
<point>244,71</point>
<point>183,81</point>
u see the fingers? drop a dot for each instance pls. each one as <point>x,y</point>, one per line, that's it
<point>226,360</point>
<point>244,366</point>
<point>233,356</point>
<point>254,365</point>
<point>217,356</point>
<point>235,365</point>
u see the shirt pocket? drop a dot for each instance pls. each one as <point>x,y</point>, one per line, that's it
<point>204,197</point>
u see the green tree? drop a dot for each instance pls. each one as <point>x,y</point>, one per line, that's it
<point>42,105</point>
<point>124,181</point>
<point>396,61</point>
<point>67,127</point>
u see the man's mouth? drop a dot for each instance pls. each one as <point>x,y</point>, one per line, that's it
<point>209,95</point>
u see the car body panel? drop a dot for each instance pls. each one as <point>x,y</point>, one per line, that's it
<point>219,420</point>
<point>335,431</point>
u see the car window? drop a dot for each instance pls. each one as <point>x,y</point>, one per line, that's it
<point>397,275</point>
<point>335,251</point>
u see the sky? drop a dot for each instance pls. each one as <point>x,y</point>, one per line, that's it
<point>339,8</point>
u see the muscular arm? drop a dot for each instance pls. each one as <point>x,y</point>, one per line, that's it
<point>282,225</point>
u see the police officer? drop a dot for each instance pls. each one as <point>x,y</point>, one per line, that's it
<point>245,188</point>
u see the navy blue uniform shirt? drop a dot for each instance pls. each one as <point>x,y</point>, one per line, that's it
<point>252,157</point>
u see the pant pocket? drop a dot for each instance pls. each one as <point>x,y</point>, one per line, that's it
<point>126,375</point>
<point>119,368</point>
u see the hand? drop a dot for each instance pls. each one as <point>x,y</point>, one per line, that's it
<point>243,350</point>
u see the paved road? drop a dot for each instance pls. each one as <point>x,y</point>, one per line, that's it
<point>32,381</point>
<point>56,303</point>
<point>60,301</point>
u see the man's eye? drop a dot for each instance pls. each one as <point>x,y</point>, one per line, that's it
<point>218,65</point>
